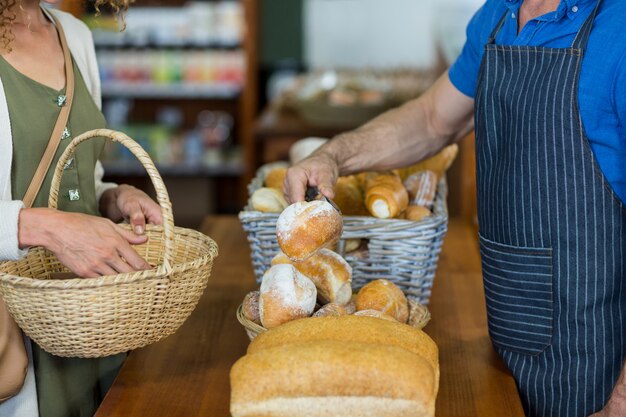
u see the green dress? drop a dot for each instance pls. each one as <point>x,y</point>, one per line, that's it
<point>66,387</point>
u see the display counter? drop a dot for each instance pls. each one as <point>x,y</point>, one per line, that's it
<point>187,374</point>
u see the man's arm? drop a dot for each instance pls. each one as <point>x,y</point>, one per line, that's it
<point>400,137</point>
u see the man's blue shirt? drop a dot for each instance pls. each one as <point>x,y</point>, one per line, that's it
<point>602,88</point>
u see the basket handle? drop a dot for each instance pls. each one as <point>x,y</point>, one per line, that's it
<point>161,192</point>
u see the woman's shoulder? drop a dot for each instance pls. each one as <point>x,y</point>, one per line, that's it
<point>72,26</point>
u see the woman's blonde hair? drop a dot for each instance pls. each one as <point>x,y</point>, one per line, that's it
<point>7,16</point>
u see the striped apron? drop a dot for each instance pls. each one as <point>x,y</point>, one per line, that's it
<point>552,231</point>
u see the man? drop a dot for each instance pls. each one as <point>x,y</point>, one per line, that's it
<point>545,82</point>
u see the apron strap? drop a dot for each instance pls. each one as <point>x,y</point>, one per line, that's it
<point>580,42</point>
<point>492,37</point>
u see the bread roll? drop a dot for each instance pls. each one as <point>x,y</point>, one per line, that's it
<point>330,273</point>
<point>275,178</point>
<point>305,227</point>
<point>422,187</point>
<point>251,307</point>
<point>384,296</point>
<point>285,295</point>
<point>349,197</point>
<point>351,306</point>
<point>333,378</point>
<point>416,213</point>
<point>331,310</point>
<point>439,163</point>
<point>376,314</point>
<point>347,329</point>
<point>268,200</point>
<point>304,148</point>
<point>385,196</point>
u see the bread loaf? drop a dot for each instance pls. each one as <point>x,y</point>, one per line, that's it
<point>385,196</point>
<point>349,197</point>
<point>333,378</point>
<point>331,310</point>
<point>275,178</point>
<point>383,295</point>
<point>251,307</point>
<point>305,227</point>
<point>285,295</point>
<point>268,200</point>
<point>347,329</point>
<point>330,273</point>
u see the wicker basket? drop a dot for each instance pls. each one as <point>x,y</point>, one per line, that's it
<point>403,251</point>
<point>419,316</point>
<point>98,317</point>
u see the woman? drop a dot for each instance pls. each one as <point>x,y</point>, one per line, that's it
<point>32,88</point>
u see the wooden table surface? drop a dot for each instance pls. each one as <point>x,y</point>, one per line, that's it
<point>186,374</point>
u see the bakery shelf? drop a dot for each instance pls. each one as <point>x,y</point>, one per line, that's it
<point>182,91</point>
<point>134,169</point>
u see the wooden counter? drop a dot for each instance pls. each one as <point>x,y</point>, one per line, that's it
<point>186,375</point>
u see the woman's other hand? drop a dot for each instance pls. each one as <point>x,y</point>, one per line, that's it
<point>128,203</point>
<point>89,246</point>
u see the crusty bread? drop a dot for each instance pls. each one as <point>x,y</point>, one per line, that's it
<point>416,213</point>
<point>438,163</point>
<point>330,273</point>
<point>349,196</point>
<point>350,329</point>
<point>383,295</point>
<point>375,313</point>
<point>251,307</point>
<point>422,187</point>
<point>268,200</point>
<point>385,196</point>
<point>304,148</point>
<point>285,295</point>
<point>331,310</point>
<point>356,379</point>
<point>305,227</point>
<point>275,178</point>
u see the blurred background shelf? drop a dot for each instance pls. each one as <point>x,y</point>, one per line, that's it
<point>174,91</point>
<point>134,169</point>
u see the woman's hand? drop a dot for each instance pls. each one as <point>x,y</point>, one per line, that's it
<point>89,246</point>
<point>128,203</point>
<point>319,170</point>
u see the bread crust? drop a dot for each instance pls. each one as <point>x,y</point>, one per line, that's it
<point>384,296</point>
<point>305,227</point>
<point>330,273</point>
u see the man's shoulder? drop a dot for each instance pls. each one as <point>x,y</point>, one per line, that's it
<point>485,20</point>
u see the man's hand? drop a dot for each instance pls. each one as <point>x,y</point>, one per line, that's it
<point>319,170</point>
<point>400,137</point>
<point>89,246</point>
<point>130,204</point>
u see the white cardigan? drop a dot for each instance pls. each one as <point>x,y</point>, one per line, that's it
<point>80,42</point>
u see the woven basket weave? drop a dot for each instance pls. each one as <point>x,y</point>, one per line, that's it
<point>419,316</point>
<point>96,317</point>
<point>403,251</point>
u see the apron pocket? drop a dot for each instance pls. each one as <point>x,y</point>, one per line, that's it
<point>518,291</point>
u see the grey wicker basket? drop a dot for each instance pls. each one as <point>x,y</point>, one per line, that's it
<point>403,251</point>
